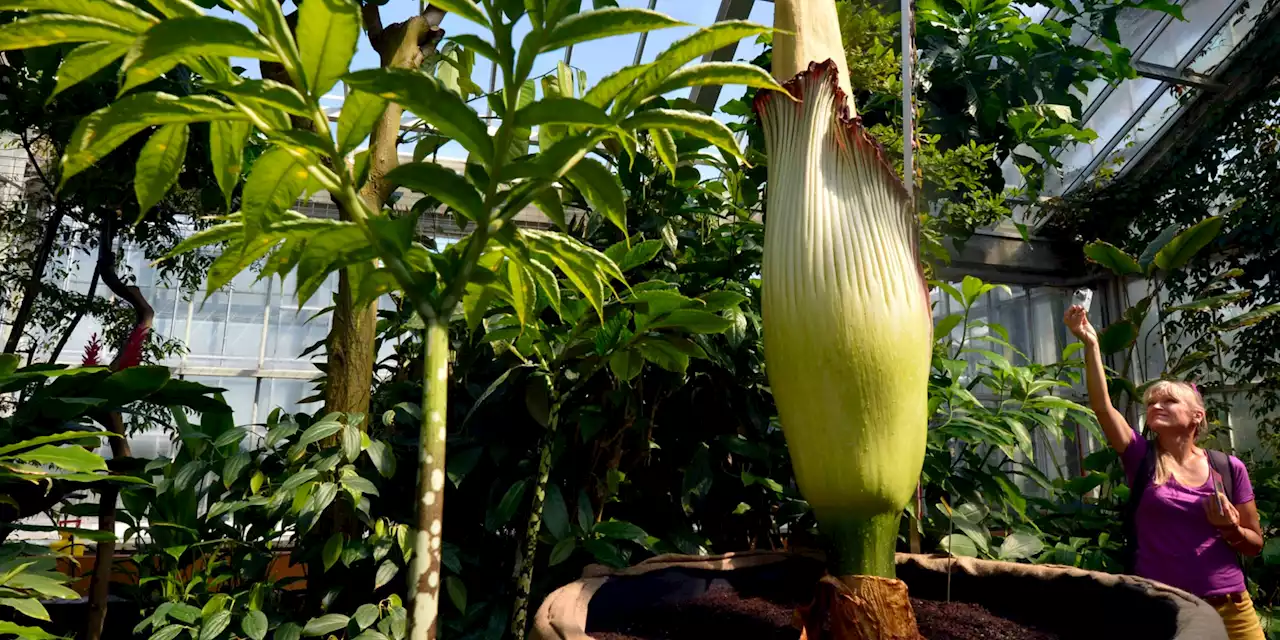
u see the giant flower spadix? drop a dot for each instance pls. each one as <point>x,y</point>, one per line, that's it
<point>847,326</point>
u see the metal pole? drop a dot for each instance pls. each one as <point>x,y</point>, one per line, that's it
<point>644,37</point>
<point>908,113</point>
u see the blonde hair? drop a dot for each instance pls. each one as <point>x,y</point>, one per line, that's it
<point>1187,393</point>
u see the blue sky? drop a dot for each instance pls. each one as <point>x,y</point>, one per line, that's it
<point>598,58</point>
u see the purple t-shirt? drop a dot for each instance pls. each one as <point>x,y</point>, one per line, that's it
<point>1176,543</point>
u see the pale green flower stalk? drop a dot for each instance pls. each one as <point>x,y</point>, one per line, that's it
<point>847,326</point>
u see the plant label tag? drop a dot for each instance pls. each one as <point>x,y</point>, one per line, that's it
<point>1082,297</point>
<point>1218,492</point>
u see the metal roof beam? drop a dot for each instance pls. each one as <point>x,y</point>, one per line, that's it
<point>1169,74</point>
<point>707,96</point>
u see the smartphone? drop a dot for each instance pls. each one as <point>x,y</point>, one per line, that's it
<point>1218,491</point>
<point>1082,297</point>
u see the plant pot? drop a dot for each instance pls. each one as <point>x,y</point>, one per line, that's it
<point>1064,601</point>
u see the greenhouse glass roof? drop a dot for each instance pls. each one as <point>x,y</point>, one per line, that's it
<point>1176,60</point>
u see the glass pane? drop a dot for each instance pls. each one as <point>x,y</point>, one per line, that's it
<point>1232,34</point>
<point>292,330</point>
<point>1179,37</point>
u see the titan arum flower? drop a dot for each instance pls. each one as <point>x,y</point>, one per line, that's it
<point>848,330</point>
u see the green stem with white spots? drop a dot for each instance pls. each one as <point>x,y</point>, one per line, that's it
<point>424,573</point>
<point>524,580</point>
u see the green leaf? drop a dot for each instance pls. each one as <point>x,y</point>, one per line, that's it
<point>254,625</point>
<point>287,631</point>
<point>332,550</point>
<point>524,292</point>
<point>29,607</point>
<point>559,110</point>
<point>274,185</point>
<point>457,591</point>
<point>102,131</point>
<point>620,530</point>
<point>444,184</point>
<point>664,354</point>
<point>719,73</point>
<point>1148,256</point>
<point>640,254</point>
<point>69,457</point>
<point>371,634</point>
<point>350,442</point>
<point>359,483</point>
<point>1211,302</point>
<point>958,545</point>
<point>159,164</point>
<point>227,140</point>
<point>236,258</point>
<point>1184,246</point>
<point>665,146</point>
<point>555,515</point>
<point>298,479</point>
<point>549,203</point>
<point>324,624</point>
<point>721,300</point>
<point>680,53</point>
<point>56,437</point>
<point>946,325</point>
<point>386,571</point>
<point>1021,545</point>
<point>179,40</point>
<point>115,12</point>
<point>48,29</point>
<point>366,615</point>
<point>1117,337</point>
<point>604,23</point>
<point>695,124</point>
<point>563,550</point>
<point>267,94</point>
<point>1111,257</point>
<point>692,321</point>
<point>84,61</point>
<point>428,99</point>
<point>465,9</point>
<point>319,431</point>
<point>508,505</point>
<point>215,625</point>
<point>360,111</point>
<point>234,465</point>
<point>601,189</point>
<point>1251,317</point>
<point>168,632</point>
<point>328,31</point>
<point>626,364</point>
<point>382,457</point>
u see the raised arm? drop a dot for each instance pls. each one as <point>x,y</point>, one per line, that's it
<point>1119,434</point>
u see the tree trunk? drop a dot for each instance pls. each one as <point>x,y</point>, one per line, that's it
<point>31,288</point>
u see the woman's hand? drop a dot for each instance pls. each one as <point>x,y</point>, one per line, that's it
<point>1077,321</point>
<point>1228,518</point>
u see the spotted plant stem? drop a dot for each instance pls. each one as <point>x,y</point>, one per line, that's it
<point>424,573</point>
<point>524,581</point>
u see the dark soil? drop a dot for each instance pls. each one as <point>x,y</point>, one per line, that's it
<point>723,613</point>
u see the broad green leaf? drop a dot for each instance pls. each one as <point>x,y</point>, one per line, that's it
<point>546,282</point>
<point>1184,246</point>
<point>100,132</point>
<point>721,300</point>
<point>52,28</point>
<point>175,8</point>
<point>640,254</point>
<point>478,45</point>
<point>1251,317</point>
<point>69,457</point>
<point>237,257</point>
<point>84,61</point>
<point>1117,337</point>
<point>328,31</point>
<point>318,432</point>
<point>298,479</point>
<point>665,146</point>
<point>1111,257</point>
<point>366,615</point>
<point>958,544</point>
<point>428,99</point>
<point>159,164</point>
<point>549,203</point>
<point>444,184</point>
<point>386,571</point>
<point>56,437</point>
<point>508,505</point>
<point>457,591</point>
<point>695,124</point>
<point>626,364</point>
<point>601,189</point>
<point>562,551</point>
<point>1148,257</point>
<point>371,634</point>
<point>215,625</point>
<point>116,12</point>
<point>324,624</point>
<point>382,457</point>
<point>684,51</point>
<point>169,632</point>
<point>465,9</point>
<point>1021,545</point>
<point>719,73</point>
<point>332,550</point>
<point>227,140</point>
<point>555,515</point>
<point>326,252</point>
<point>1211,302</point>
<point>29,607</point>
<point>360,111</point>
<point>273,186</point>
<point>179,40</point>
<point>254,625</point>
<point>287,631</point>
<point>664,354</point>
<point>268,93</point>
<point>620,530</point>
<point>946,325</point>
<point>604,23</point>
<point>234,465</point>
<point>693,321</point>
<point>558,110</point>
<point>524,293</point>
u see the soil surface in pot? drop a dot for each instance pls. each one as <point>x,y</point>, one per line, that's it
<point>722,612</point>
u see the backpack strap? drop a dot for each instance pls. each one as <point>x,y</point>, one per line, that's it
<point>1220,463</point>
<point>1142,479</point>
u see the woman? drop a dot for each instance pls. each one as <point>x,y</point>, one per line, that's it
<point>1188,533</point>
